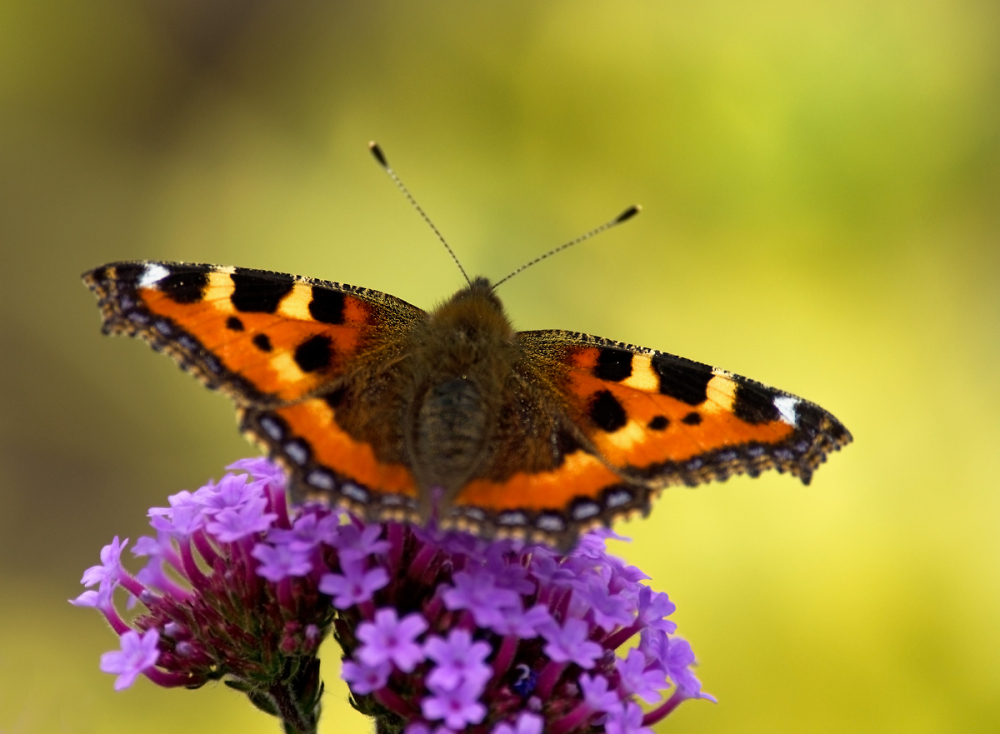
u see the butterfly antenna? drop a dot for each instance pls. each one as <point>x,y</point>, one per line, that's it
<point>623,217</point>
<point>380,157</point>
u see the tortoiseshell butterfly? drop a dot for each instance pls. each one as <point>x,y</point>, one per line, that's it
<point>396,413</point>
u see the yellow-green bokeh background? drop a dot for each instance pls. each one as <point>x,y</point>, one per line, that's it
<point>820,183</point>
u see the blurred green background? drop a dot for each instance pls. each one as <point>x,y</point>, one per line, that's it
<point>820,183</point>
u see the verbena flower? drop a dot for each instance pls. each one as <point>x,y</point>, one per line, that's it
<point>439,632</point>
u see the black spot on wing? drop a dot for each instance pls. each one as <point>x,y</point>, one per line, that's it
<point>184,286</point>
<point>659,423</point>
<point>314,354</point>
<point>127,272</point>
<point>810,417</point>
<point>607,412</point>
<point>234,324</point>
<point>682,379</point>
<point>327,306</point>
<point>613,364</point>
<point>754,404</point>
<point>262,342</point>
<point>256,294</point>
<point>691,419</point>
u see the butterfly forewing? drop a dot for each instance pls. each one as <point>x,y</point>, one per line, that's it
<point>264,338</point>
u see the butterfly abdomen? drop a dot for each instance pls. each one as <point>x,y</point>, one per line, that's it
<point>450,434</point>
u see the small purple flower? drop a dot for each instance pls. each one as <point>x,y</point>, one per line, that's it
<point>545,567</point>
<point>609,610</point>
<point>679,658</point>
<point>478,593</point>
<point>307,532</point>
<point>458,659</point>
<point>262,470</point>
<point>354,544</point>
<point>654,608</point>
<point>458,707</point>
<point>183,498</point>
<point>280,561</point>
<point>178,522</point>
<point>525,624</point>
<point>110,571</point>
<point>391,638</point>
<point>356,585</point>
<point>365,679</point>
<point>234,523</point>
<point>99,599</point>
<point>512,576</point>
<point>419,727</point>
<point>626,720</point>
<point>675,657</point>
<point>137,655</point>
<point>638,680</point>
<point>157,547</point>
<point>597,695</point>
<point>527,723</point>
<point>232,492</point>
<point>160,551</point>
<point>569,643</point>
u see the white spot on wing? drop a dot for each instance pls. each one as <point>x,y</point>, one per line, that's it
<point>152,275</point>
<point>786,406</point>
<point>552,523</point>
<point>354,492</point>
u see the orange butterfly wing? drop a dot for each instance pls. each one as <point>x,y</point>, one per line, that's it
<point>279,345</point>
<point>633,421</point>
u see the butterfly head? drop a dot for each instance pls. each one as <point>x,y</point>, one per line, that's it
<point>474,312</point>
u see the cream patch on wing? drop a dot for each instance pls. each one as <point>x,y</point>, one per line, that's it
<point>643,375</point>
<point>284,366</point>
<point>219,289</point>
<point>625,437</point>
<point>721,392</point>
<point>296,304</point>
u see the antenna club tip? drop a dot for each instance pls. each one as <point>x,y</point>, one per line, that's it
<point>378,154</point>
<point>628,213</point>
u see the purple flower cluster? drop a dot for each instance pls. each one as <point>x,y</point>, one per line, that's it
<point>440,632</point>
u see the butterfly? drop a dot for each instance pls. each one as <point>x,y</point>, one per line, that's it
<point>395,413</point>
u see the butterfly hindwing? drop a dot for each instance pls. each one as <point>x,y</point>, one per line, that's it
<point>328,463</point>
<point>263,338</point>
